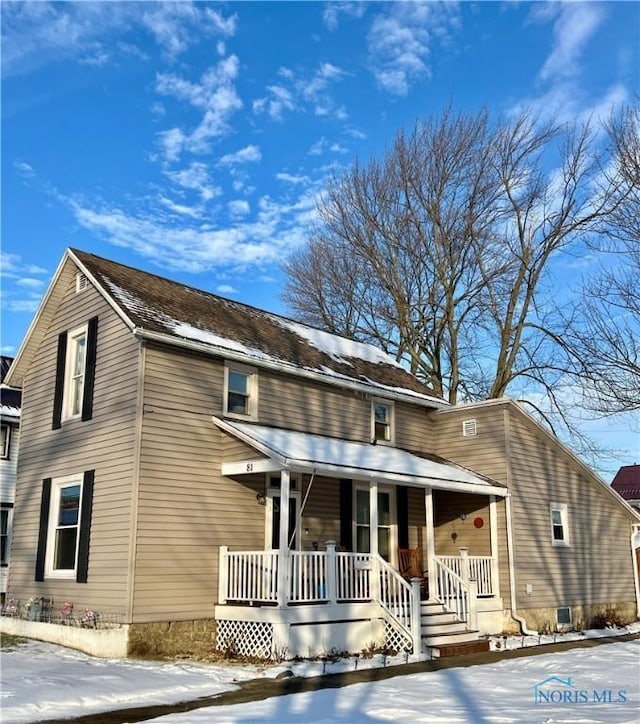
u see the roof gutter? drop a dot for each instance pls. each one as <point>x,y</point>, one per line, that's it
<point>371,388</point>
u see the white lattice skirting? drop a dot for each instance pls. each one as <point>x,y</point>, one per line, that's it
<point>248,638</point>
<point>395,639</point>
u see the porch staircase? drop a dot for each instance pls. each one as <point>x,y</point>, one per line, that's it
<point>445,635</point>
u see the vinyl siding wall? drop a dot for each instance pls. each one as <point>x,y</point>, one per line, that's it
<point>485,453</point>
<point>187,509</point>
<point>105,444</point>
<point>597,567</point>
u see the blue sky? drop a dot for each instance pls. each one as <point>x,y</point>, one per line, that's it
<point>193,139</point>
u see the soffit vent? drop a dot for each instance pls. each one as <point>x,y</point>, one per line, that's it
<point>469,428</point>
<point>81,282</point>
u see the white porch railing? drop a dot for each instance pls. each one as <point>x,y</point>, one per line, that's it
<point>480,569</point>
<point>308,576</point>
<point>250,576</point>
<point>323,576</point>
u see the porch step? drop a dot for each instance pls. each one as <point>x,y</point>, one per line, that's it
<point>444,634</point>
<point>460,649</point>
<point>465,636</point>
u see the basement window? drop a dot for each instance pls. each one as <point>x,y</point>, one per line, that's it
<point>563,618</point>
<point>469,428</point>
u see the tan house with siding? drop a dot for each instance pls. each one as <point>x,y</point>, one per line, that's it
<point>196,472</point>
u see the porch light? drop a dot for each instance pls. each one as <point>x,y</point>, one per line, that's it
<point>261,498</point>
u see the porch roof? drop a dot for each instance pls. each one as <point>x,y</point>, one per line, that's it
<point>303,452</point>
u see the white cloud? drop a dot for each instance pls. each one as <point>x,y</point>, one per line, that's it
<point>214,94</point>
<point>277,100</point>
<point>239,207</point>
<point>290,179</point>
<point>333,10</point>
<point>243,239</point>
<point>248,154</point>
<point>304,92</point>
<point>36,33</point>
<point>574,27</point>
<point>30,283</point>
<point>226,289</point>
<point>23,168</point>
<point>180,209</point>
<point>195,177</point>
<point>400,40</point>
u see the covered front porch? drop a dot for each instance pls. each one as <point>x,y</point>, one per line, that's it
<point>338,582</point>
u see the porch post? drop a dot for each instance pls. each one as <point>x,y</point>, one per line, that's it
<point>431,546</point>
<point>493,525</point>
<point>416,618</point>
<point>332,572</point>
<point>373,540</point>
<point>223,574</point>
<point>465,574</point>
<point>283,547</point>
<point>373,516</point>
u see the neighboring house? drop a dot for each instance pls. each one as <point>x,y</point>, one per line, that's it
<point>627,484</point>
<point>10,400</point>
<point>202,472</point>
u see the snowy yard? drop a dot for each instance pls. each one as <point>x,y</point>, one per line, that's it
<point>599,684</point>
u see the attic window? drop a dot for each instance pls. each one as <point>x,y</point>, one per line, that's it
<point>81,282</point>
<point>469,428</point>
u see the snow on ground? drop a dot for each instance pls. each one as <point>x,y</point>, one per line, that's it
<point>42,681</point>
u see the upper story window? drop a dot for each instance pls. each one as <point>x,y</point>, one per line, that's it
<point>382,421</point>
<point>559,524</point>
<point>75,368</point>
<point>75,373</point>
<point>241,391</point>
<point>5,440</point>
<point>64,522</point>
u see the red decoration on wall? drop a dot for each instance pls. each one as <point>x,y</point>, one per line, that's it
<point>478,522</point>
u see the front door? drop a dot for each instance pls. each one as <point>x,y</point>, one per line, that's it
<point>386,528</point>
<point>273,511</point>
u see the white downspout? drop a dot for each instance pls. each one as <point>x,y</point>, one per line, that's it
<point>512,573</point>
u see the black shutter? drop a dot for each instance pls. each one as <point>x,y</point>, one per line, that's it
<point>59,388</point>
<point>346,514</point>
<point>402,503</point>
<point>90,369</point>
<point>42,531</point>
<point>85,526</point>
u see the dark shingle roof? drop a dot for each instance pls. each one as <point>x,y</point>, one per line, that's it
<point>157,304</point>
<point>627,482</point>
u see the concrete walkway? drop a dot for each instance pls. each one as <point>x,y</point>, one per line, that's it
<point>259,689</point>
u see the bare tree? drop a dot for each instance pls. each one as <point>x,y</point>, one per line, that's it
<point>605,337</point>
<point>443,252</point>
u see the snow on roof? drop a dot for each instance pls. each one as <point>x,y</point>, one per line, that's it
<point>338,348</point>
<point>153,304</point>
<point>358,459</point>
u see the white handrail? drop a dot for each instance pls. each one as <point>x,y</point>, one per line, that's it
<point>451,591</point>
<point>399,599</point>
